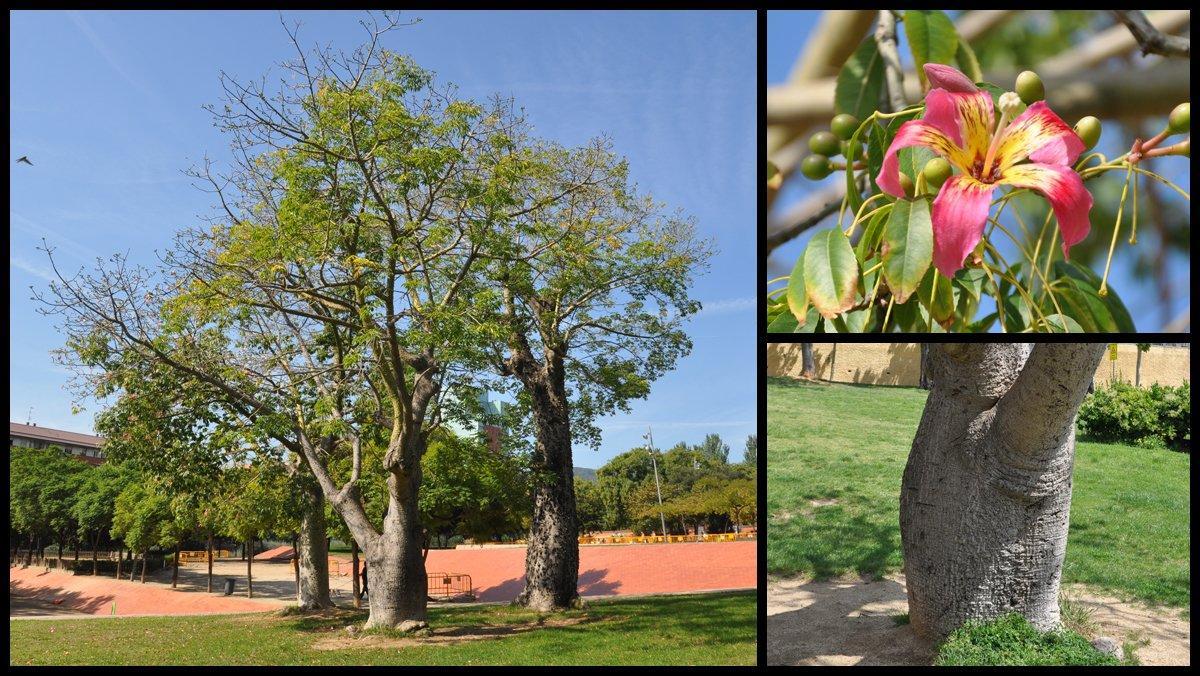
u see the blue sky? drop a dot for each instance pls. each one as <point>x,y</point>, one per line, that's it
<point>108,107</point>
<point>789,31</point>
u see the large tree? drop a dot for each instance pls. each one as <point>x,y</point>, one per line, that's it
<point>594,288</point>
<point>986,495</point>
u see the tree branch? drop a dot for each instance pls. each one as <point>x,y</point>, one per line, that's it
<point>812,212</point>
<point>1148,37</point>
<point>893,73</point>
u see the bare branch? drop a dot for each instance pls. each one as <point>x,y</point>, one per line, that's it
<point>893,73</point>
<point>1152,41</point>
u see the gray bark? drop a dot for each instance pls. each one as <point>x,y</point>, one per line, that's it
<point>810,364</point>
<point>986,495</point>
<point>312,552</point>
<point>399,589</point>
<point>552,556</point>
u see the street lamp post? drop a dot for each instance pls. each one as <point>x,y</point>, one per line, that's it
<point>657,488</point>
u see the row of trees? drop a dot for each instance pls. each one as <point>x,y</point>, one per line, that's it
<point>699,488</point>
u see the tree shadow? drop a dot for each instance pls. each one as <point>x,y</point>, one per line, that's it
<point>591,583</point>
<point>55,597</point>
<point>841,623</point>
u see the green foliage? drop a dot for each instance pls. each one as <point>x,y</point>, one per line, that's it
<point>1012,641</point>
<point>931,38</point>
<point>833,495</point>
<point>141,511</point>
<point>860,82</point>
<point>589,506</point>
<point>1153,417</point>
<point>470,491</point>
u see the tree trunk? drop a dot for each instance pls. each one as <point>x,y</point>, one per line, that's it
<point>58,554</point>
<point>810,364</point>
<point>354,573</point>
<point>175,571</point>
<point>145,555</point>
<point>29,554</point>
<point>249,576</point>
<point>120,556</point>
<point>1137,370</point>
<point>95,560</point>
<point>77,549</point>
<point>312,552</point>
<point>986,494</point>
<point>16,550</point>
<point>397,570</point>
<point>552,557</point>
<point>924,383</point>
<point>296,563</point>
<point>210,561</point>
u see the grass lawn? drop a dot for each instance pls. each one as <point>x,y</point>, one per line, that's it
<point>696,629</point>
<point>845,446</point>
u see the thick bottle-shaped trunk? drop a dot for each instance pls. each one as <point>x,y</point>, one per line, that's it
<point>398,586</point>
<point>313,552</point>
<point>986,495</point>
<point>552,557</point>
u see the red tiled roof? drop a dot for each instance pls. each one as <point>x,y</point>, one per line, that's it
<point>54,436</point>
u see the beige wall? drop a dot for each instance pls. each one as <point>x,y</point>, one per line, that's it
<point>899,363</point>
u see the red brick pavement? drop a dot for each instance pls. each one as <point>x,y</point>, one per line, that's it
<point>499,574</point>
<point>95,595</point>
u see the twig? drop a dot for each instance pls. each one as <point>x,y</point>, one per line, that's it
<point>778,239</point>
<point>893,73</point>
<point>810,217</point>
<point>1150,39</point>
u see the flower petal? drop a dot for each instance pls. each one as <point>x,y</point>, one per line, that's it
<point>912,133</point>
<point>975,119</point>
<point>959,213</point>
<point>1042,136</point>
<point>1064,190</point>
<point>948,78</point>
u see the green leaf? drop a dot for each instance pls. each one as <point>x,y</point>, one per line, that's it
<point>907,317</point>
<point>937,295</point>
<point>812,322</point>
<point>982,325</point>
<point>877,143</point>
<point>1084,276</point>
<point>967,63</point>
<point>913,159</point>
<point>971,280</point>
<point>797,298</point>
<point>830,272</point>
<point>1017,314</point>
<point>784,323</point>
<point>931,38</point>
<point>871,236</point>
<point>907,247</point>
<point>860,82</point>
<point>1057,323</point>
<point>1081,303</point>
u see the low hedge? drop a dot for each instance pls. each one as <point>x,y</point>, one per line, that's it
<point>1154,417</point>
<point>154,562</point>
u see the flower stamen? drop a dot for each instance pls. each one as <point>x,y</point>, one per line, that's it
<point>1010,103</point>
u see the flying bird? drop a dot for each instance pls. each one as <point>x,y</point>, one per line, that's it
<point>25,160</point>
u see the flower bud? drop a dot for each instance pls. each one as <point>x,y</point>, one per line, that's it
<point>844,126</point>
<point>906,184</point>
<point>825,143</point>
<point>1181,118</point>
<point>936,172</point>
<point>1088,131</point>
<point>816,167</point>
<point>1184,147</point>
<point>1030,87</point>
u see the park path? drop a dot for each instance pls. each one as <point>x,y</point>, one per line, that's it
<point>607,570</point>
<point>96,595</point>
<point>497,574</point>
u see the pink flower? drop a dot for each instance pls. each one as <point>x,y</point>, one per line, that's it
<point>959,125</point>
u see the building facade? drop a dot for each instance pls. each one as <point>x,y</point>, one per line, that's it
<point>85,447</point>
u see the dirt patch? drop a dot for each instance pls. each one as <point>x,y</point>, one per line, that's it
<point>824,502</point>
<point>849,621</point>
<point>442,635</point>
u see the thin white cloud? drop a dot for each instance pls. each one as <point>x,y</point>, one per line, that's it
<point>53,237</point>
<point>726,306</point>
<point>674,424</point>
<point>88,32</point>
<point>21,264</point>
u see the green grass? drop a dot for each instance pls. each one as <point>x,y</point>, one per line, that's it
<point>698,629</point>
<point>1012,641</point>
<point>1129,509</point>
